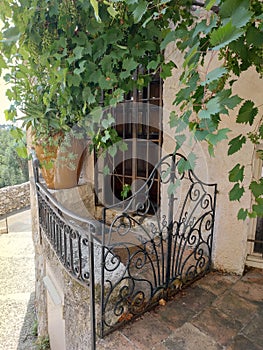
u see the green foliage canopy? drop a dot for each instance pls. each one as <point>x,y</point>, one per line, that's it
<point>13,169</point>
<point>65,54</point>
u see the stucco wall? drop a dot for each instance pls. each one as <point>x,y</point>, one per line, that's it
<point>230,236</point>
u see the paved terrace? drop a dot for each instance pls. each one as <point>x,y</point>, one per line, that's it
<point>219,312</point>
<point>17,276</point>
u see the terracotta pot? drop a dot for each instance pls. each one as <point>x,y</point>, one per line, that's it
<point>61,165</point>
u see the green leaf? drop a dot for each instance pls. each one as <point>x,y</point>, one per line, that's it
<point>165,173</point>
<point>204,114</point>
<point>113,150</point>
<point>252,215</point>
<point>171,36</point>
<point>242,214</point>
<point>236,174</point>
<point>217,137</point>
<point>241,17</point>
<point>191,159</point>
<point>236,192</point>
<point>236,144</point>
<point>106,170</point>
<point>96,114</point>
<point>177,122</point>
<point>106,63</point>
<point>153,64</point>
<point>173,187</point>
<point>139,11</point>
<point>2,64</point>
<point>95,5</point>
<point>258,208</point>
<point>125,191</point>
<point>232,102</point>
<point>190,55</point>
<point>237,11</point>
<point>22,152</point>
<point>73,80</point>
<point>257,188</point>
<point>112,11</point>
<point>209,4</point>
<point>254,37</point>
<point>228,7</point>
<point>78,52</point>
<point>183,94</point>
<point>106,136</point>
<point>11,35</point>
<point>79,70</point>
<point>87,95</point>
<point>214,106</point>
<point>180,139</point>
<point>214,75</point>
<point>261,131</point>
<point>129,64</point>
<point>106,83</point>
<point>260,154</point>
<point>247,113</point>
<point>123,146</point>
<point>106,123</point>
<point>205,28</point>
<point>224,35</point>
<point>173,120</point>
<point>167,69</point>
<point>117,96</point>
<point>189,164</point>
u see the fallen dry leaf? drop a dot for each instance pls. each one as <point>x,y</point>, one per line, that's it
<point>162,302</point>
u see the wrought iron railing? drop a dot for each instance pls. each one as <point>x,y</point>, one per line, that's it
<point>142,257</point>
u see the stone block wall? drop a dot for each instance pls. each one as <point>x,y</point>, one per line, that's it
<point>14,198</point>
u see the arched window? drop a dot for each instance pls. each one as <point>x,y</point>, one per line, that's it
<point>138,121</point>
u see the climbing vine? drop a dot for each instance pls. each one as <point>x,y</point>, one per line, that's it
<point>64,55</point>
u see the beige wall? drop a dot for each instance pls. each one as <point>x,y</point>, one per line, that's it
<point>230,236</point>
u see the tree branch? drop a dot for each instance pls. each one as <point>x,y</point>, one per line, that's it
<point>201,4</point>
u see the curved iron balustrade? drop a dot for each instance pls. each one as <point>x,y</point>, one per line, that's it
<point>146,253</point>
<point>71,237</point>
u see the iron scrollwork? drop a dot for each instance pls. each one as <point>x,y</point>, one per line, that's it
<point>159,253</point>
<point>145,253</point>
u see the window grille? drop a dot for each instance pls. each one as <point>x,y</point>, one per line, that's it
<point>138,121</point>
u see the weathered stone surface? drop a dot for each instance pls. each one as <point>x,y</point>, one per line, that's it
<point>242,343</point>
<point>217,325</point>
<point>148,332</point>
<point>238,308</point>
<point>14,198</point>
<point>253,330</point>
<point>189,337</point>
<point>17,298</point>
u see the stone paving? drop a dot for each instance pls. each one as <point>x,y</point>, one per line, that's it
<point>17,283</point>
<point>218,312</point>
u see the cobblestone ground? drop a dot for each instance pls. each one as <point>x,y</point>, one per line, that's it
<point>17,276</point>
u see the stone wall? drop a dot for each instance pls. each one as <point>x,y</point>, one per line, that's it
<point>14,198</point>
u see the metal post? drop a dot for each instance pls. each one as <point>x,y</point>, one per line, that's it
<point>170,224</point>
<point>102,273</point>
<point>92,294</point>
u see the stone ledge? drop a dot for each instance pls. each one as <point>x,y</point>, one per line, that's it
<point>14,198</point>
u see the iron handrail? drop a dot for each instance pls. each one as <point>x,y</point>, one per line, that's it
<point>68,216</point>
